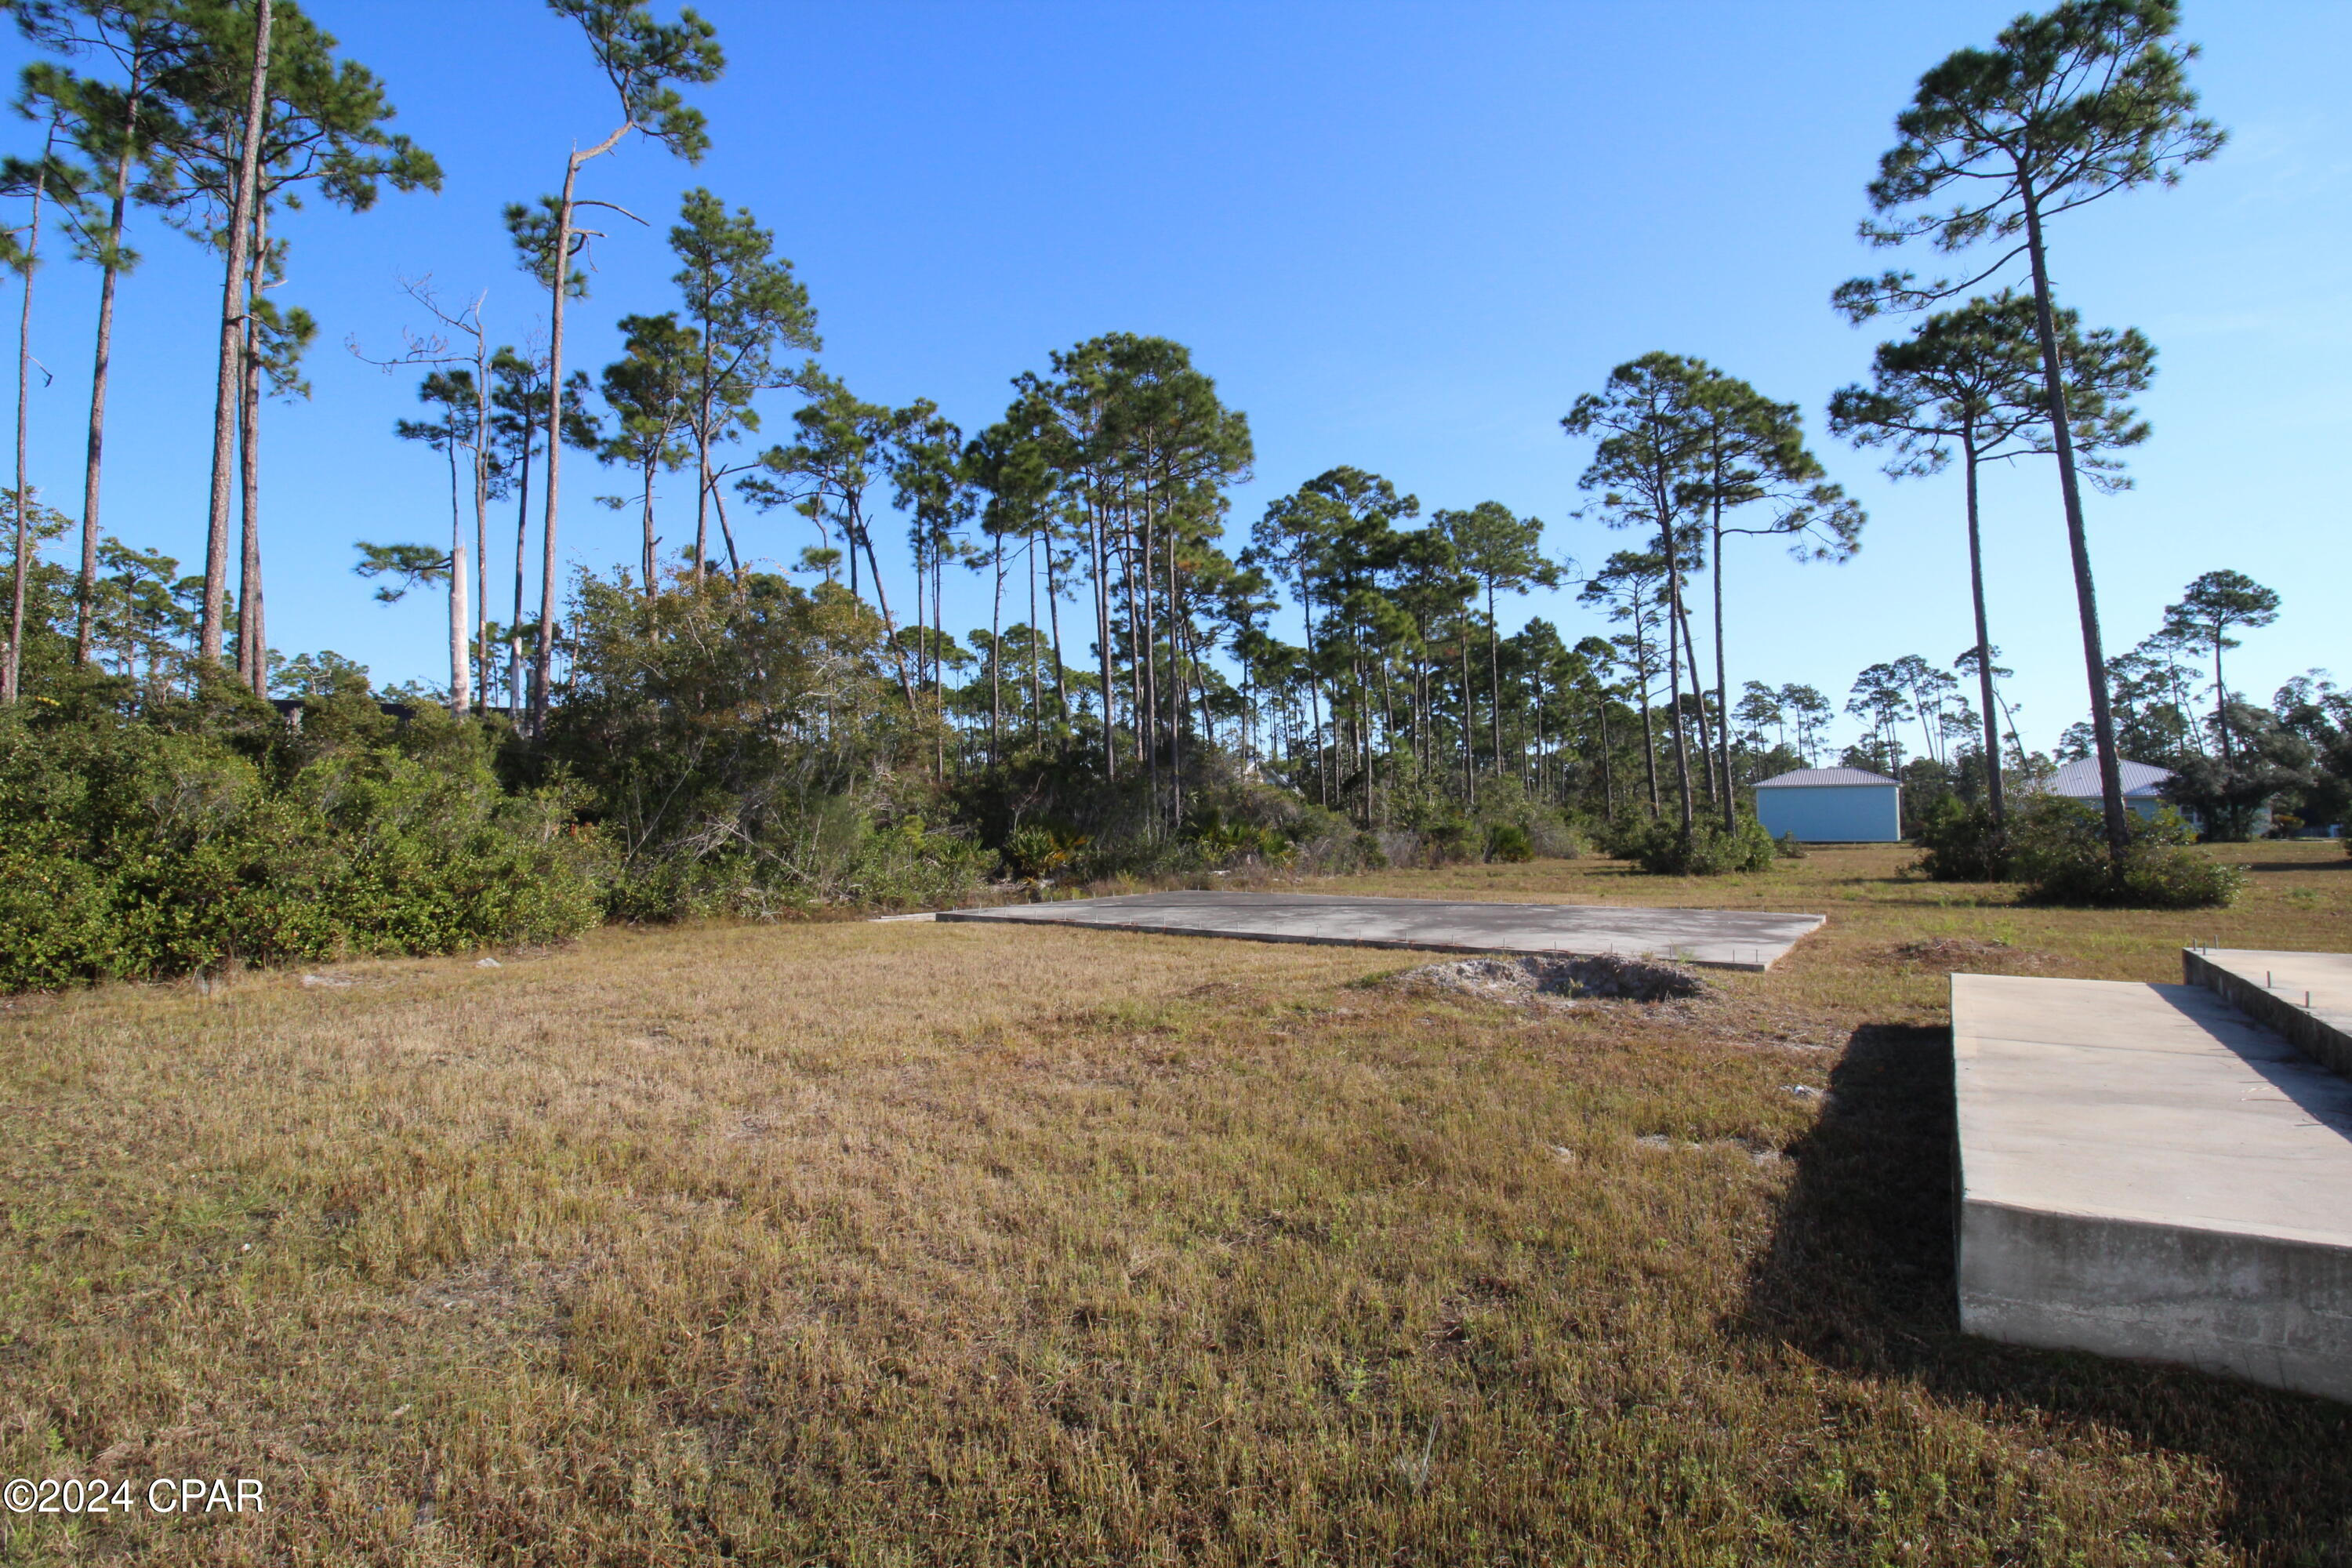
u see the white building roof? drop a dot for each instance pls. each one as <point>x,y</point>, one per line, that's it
<point>2079,779</point>
<point>1803,777</point>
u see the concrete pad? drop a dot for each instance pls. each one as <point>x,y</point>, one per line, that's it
<point>1721,939</point>
<point>2145,1171</point>
<point>2307,996</point>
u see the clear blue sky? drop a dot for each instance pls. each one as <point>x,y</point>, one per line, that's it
<point>1401,237</point>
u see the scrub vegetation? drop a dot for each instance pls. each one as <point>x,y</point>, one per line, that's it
<point>772,716</point>
<point>866,1243</point>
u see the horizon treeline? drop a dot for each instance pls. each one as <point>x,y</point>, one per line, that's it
<point>1130,679</point>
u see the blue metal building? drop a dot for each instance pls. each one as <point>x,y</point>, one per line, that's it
<point>1831,805</point>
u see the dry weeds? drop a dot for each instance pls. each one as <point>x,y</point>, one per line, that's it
<point>917,1243</point>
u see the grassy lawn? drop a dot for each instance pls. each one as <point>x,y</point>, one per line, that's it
<point>913,1243</point>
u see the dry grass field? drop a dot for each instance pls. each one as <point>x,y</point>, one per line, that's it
<point>884,1244</point>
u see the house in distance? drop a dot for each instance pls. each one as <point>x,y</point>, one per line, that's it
<point>1831,805</point>
<point>2143,783</point>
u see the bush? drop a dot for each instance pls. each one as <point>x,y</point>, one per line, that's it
<point>1223,842</point>
<point>1505,807</point>
<point>1963,844</point>
<point>135,848</point>
<point>1509,841</point>
<point>1450,841</point>
<point>1035,853</point>
<point>910,863</point>
<point>1661,849</point>
<point>1787,847</point>
<point>2059,849</point>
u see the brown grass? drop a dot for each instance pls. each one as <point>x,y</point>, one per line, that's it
<point>912,1243</point>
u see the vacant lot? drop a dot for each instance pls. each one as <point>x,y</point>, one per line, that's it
<point>910,1243</point>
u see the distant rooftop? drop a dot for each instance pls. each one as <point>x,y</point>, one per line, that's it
<point>1804,776</point>
<point>2080,780</point>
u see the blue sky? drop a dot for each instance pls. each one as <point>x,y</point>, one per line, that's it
<point>1401,236</point>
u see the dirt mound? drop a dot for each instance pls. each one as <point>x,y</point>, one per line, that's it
<point>1557,982</point>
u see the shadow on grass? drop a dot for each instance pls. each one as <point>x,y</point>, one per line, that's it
<point>2343,865</point>
<point>1860,1276</point>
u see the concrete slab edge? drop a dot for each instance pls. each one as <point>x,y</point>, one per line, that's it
<point>989,917</point>
<point>2271,1311</point>
<point>2317,1038</point>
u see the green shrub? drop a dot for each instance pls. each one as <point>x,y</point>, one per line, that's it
<point>1963,843</point>
<point>911,863</point>
<point>1219,841</point>
<point>1504,802</point>
<point>133,848</point>
<point>1450,840</point>
<point>1661,849</point>
<point>1036,853</point>
<point>1509,841</point>
<point>2059,850</point>
<point>1787,847</point>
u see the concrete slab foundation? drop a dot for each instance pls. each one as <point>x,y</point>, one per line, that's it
<point>2145,1171</point>
<point>1722,938</point>
<point>2307,996</point>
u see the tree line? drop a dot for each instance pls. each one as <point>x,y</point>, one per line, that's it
<point>1132,636</point>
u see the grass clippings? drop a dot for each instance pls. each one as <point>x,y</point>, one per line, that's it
<point>964,1244</point>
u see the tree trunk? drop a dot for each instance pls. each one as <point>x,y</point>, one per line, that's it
<point>485,678</point>
<point>938,664</point>
<point>860,533</point>
<point>252,640</point>
<point>2221,701</point>
<point>12,668</point>
<point>646,526</point>
<point>2086,601</point>
<point>225,387</point>
<point>522,535</point>
<point>1036,692</point>
<point>1698,701</point>
<point>1143,697</point>
<point>726,536</point>
<point>1054,612</point>
<point>1649,727</point>
<point>86,584</point>
<point>1175,694</point>
<point>702,459</point>
<point>1722,682</point>
<point>1674,681</point>
<point>1984,637</point>
<point>543,657</point>
<point>1538,716</point>
<point>1201,687</point>
<point>1494,680</point>
<point>996,659</point>
<point>1608,775</point>
<point>1097,526</point>
<point>1314,694</point>
<point>1469,724</point>
<point>461,674</point>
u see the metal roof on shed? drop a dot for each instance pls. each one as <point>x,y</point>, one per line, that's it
<point>2080,779</point>
<point>1804,776</point>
